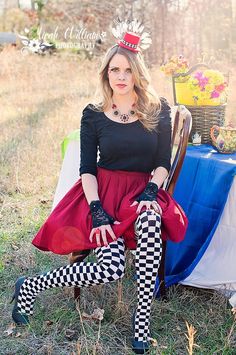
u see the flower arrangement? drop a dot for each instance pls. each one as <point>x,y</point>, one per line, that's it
<point>204,87</point>
<point>208,84</point>
<point>176,65</point>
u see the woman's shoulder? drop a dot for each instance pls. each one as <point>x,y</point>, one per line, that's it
<point>90,114</point>
<point>90,109</point>
<point>165,105</point>
<point>89,118</point>
<point>162,109</point>
<point>164,121</point>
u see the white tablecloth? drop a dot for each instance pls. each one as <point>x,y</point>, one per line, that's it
<point>217,267</point>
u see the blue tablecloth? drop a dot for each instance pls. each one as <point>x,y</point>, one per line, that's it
<point>202,190</point>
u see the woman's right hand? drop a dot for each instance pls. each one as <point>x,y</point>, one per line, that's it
<point>100,233</point>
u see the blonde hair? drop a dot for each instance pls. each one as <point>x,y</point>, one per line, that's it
<point>148,104</point>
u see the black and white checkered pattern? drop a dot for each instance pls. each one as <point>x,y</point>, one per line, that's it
<point>147,261</point>
<point>110,267</point>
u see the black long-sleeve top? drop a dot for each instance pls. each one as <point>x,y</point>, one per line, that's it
<point>124,146</point>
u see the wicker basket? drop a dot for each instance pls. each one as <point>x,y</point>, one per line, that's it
<point>203,118</point>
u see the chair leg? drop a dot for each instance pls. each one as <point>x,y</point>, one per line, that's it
<point>119,292</point>
<point>77,294</point>
<point>76,257</point>
<point>161,272</point>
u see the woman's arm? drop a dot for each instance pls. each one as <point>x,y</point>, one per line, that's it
<point>88,171</point>
<point>159,176</point>
<point>162,159</point>
<point>90,187</point>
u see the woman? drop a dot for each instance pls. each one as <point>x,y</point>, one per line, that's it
<point>132,128</point>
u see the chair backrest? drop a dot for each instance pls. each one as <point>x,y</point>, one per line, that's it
<point>182,125</point>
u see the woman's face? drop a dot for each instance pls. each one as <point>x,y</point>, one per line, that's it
<point>120,75</point>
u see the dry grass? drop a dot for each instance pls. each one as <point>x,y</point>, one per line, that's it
<point>41,100</point>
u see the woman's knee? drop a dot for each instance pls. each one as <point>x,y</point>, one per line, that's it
<point>115,267</point>
<point>148,217</point>
<point>112,263</point>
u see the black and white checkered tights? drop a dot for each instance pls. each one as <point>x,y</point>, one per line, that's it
<point>147,261</point>
<point>109,267</point>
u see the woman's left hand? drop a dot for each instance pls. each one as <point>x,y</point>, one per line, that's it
<point>149,205</point>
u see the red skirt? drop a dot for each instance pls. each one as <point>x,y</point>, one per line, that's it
<point>68,227</point>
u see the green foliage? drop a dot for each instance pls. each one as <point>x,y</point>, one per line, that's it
<point>33,32</point>
<point>39,5</point>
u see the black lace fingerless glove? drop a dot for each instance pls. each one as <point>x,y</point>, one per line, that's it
<point>150,192</point>
<point>99,216</point>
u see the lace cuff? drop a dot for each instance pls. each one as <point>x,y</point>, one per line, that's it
<point>99,216</point>
<point>150,192</point>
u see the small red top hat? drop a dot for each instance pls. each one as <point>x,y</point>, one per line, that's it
<point>130,41</point>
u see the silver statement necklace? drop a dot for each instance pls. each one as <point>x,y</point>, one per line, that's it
<point>124,117</point>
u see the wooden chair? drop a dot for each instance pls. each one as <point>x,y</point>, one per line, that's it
<point>181,130</point>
